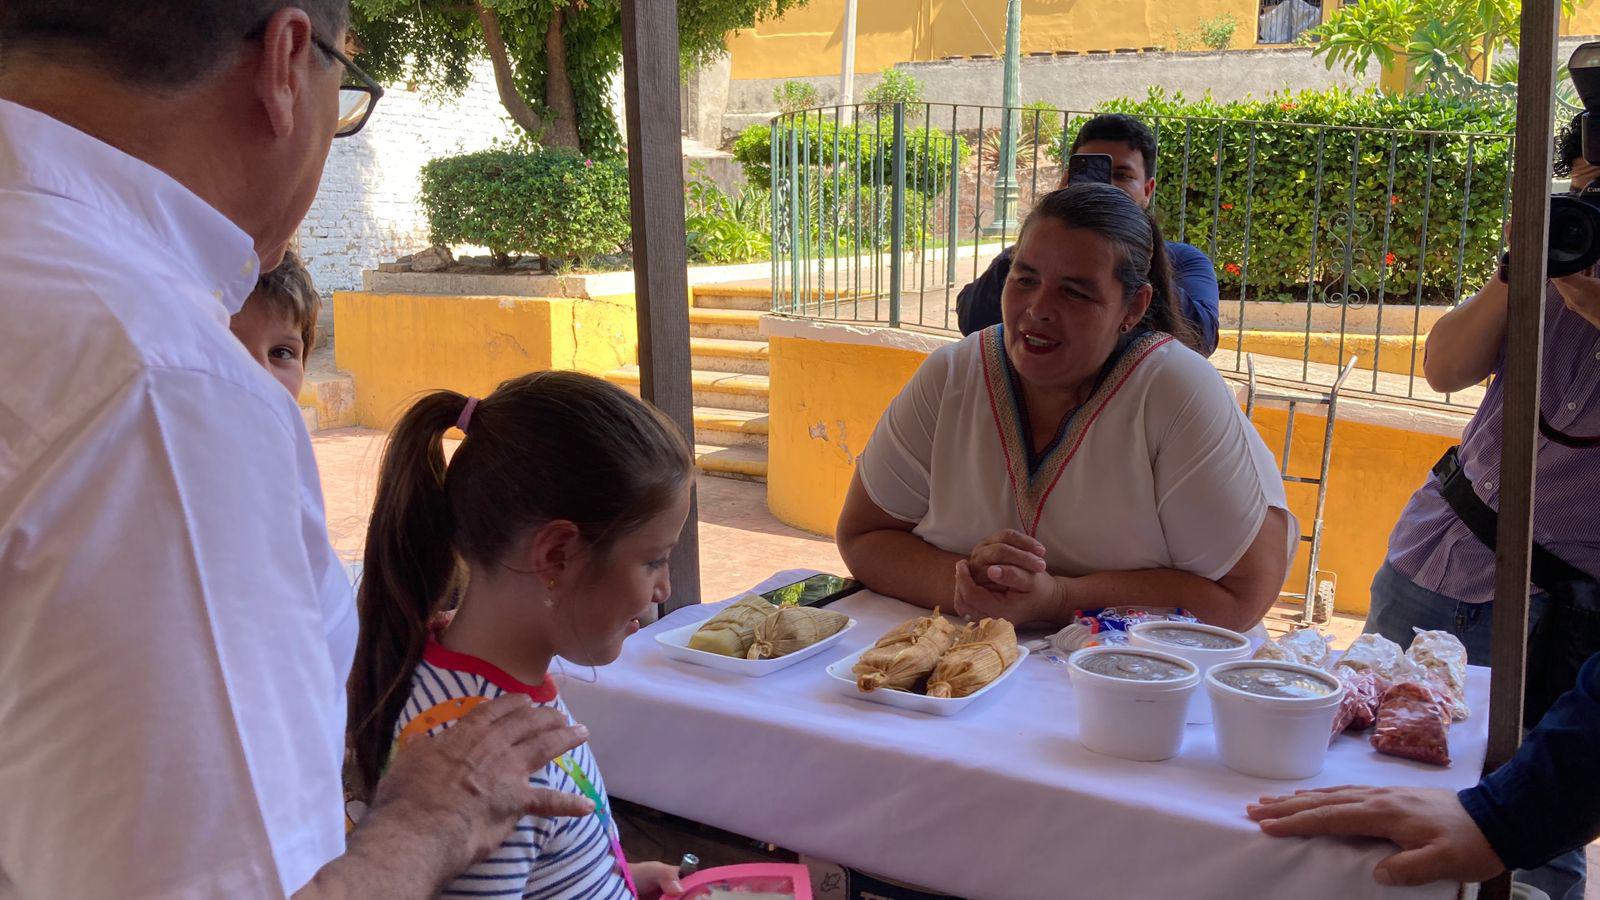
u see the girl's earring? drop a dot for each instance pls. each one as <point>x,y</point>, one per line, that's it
<point>550,596</point>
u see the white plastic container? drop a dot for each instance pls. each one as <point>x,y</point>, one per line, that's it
<point>1203,645</point>
<point>1132,701</point>
<point>1271,722</point>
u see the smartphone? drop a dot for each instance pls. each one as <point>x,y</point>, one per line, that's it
<point>818,590</point>
<point>1085,168</point>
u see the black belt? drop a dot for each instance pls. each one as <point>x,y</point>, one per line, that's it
<point>1547,568</point>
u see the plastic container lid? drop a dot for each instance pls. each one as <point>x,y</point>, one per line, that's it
<point>1148,670</point>
<point>1191,636</point>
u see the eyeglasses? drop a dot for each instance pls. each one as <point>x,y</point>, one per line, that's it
<point>356,101</point>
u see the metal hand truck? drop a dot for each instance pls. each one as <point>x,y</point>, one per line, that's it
<point>1317,598</point>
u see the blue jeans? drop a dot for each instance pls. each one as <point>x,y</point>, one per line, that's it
<point>1399,605</point>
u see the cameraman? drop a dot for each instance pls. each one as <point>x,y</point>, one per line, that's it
<point>1439,575</point>
<point>1132,148</point>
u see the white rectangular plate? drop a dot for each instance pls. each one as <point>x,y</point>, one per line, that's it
<point>937,706</point>
<point>675,644</point>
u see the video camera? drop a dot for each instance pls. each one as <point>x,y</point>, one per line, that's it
<point>1575,217</point>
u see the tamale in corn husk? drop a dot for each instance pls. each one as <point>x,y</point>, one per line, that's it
<point>732,631</point>
<point>794,628</point>
<point>905,655</point>
<point>981,654</point>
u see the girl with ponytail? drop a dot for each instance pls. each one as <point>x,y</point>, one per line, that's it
<point>561,507</point>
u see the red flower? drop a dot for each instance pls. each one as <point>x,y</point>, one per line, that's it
<point>1232,269</point>
<point>1227,206</point>
<point>1389,260</point>
<point>1394,199</point>
<point>1285,106</point>
<point>588,164</point>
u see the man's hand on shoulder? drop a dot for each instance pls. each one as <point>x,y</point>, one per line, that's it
<point>448,801</point>
<point>1582,295</point>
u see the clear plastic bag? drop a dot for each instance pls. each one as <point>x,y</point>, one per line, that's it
<point>1443,660</point>
<point>1307,646</point>
<point>1359,709</point>
<point>1379,655</point>
<point>1413,723</point>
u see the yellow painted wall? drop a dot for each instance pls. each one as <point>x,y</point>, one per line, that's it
<point>808,41</point>
<point>827,397</point>
<point>397,346</point>
<point>1399,351</point>
<point>825,400</point>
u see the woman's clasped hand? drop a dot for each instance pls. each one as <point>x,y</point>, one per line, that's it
<point>1005,577</point>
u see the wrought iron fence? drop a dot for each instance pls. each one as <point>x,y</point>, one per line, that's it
<point>1328,240</point>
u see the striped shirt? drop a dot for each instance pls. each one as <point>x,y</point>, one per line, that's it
<point>542,858</point>
<point>1434,549</point>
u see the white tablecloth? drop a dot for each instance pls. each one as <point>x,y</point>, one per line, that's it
<point>999,801</point>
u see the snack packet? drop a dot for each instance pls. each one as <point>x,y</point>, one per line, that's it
<point>1413,723</point>
<point>1306,646</point>
<point>1359,708</point>
<point>1443,660</point>
<point>1379,655</point>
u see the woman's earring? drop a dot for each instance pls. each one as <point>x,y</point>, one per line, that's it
<point>1125,328</point>
<point>550,598</point>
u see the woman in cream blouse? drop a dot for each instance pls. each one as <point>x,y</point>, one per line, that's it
<point>1078,455</point>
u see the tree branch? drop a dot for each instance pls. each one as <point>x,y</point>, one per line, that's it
<point>504,79</point>
<point>558,96</point>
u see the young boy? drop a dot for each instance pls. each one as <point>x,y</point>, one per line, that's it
<point>278,322</point>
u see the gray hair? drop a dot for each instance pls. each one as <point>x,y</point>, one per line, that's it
<point>151,43</point>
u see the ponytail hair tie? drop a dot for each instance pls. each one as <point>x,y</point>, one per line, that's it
<point>466,414</point>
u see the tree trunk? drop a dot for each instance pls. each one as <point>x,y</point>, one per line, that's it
<point>504,79</point>
<point>558,98</point>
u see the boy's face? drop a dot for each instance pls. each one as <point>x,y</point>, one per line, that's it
<point>272,340</point>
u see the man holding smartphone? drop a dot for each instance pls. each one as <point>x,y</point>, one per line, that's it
<point>1131,149</point>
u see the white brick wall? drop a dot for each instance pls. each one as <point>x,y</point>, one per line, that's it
<point>366,210</point>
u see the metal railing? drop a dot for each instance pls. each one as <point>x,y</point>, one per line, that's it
<point>1328,240</point>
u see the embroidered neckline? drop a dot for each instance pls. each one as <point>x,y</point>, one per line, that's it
<point>1032,477</point>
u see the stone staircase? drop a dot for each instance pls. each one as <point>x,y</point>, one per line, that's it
<point>728,356</point>
<point>328,397</point>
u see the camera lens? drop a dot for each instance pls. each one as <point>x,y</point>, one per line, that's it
<point>1574,235</point>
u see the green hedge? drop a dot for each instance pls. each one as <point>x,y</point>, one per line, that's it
<point>865,148</point>
<point>1290,218</point>
<point>552,203</point>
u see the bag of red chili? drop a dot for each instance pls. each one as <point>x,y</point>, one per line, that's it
<point>1413,723</point>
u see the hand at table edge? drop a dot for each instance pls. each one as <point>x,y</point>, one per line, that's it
<point>1437,838</point>
<point>655,879</point>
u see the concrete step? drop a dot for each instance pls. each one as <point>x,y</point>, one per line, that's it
<point>727,324</point>
<point>730,428</point>
<point>741,463</point>
<point>328,395</point>
<point>723,355</point>
<point>733,297</point>
<point>719,390</point>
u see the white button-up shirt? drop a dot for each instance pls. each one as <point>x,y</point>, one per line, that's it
<point>175,630</point>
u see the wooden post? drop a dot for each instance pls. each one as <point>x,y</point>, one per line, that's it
<point>1530,211</point>
<point>660,262</point>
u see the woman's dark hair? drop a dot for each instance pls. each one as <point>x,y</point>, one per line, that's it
<point>1142,251</point>
<point>542,447</point>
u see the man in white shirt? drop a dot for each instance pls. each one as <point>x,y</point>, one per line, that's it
<point>175,631</point>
